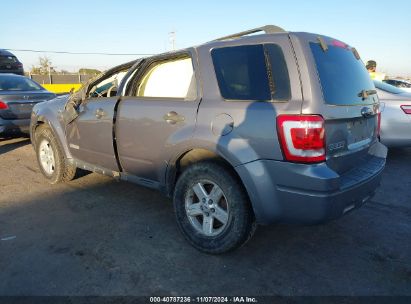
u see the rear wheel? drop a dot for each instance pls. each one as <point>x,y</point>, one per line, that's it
<point>212,209</point>
<point>52,162</point>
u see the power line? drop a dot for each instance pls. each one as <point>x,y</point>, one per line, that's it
<point>77,53</point>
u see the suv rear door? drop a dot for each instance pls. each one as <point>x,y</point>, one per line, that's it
<point>247,83</point>
<point>158,115</point>
<point>344,94</point>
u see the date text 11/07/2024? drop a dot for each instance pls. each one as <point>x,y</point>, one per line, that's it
<point>203,300</point>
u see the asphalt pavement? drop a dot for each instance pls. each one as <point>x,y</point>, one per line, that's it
<point>97,236</point>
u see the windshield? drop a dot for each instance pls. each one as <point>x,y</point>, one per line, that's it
<point>387,87</point>
<point>12,83</point>
<point>342,76</point>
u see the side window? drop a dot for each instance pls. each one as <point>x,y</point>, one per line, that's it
<point>107,87</point>
<point>252,72</point>
<point>241,72</point>
<point>280,77</point>
<point>169,79</point>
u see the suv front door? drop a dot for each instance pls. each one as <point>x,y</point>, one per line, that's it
<point>90,135</point>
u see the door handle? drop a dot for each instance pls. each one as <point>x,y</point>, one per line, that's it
<point>100,113</point>
<point>173,117</point>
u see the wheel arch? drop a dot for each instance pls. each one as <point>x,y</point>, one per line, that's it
<point>41,120</point>
<point>192,156</point>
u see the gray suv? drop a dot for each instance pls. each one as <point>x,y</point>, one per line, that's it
<point>245,129</point>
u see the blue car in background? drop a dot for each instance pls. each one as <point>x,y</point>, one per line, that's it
<point>18,95</point>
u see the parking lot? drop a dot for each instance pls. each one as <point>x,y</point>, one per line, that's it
<point>96,236</point>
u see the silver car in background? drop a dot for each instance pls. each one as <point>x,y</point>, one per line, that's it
<point>399,83</point>
<point>396,116</point>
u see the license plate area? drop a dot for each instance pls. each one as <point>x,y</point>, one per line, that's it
<point>22,107</point>
<point>360,132</point>
<point>19,110</point>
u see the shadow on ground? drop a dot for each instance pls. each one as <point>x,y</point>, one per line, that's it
<point>96,236</point>
<point>10,142</point>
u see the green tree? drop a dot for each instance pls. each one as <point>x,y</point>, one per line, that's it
<point>44,67</point>
<point>89,71</point>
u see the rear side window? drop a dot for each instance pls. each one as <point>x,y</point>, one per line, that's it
<point>342,76</point>
<point>252,72</point>
<point>8,59</point>
<point>169,79</point>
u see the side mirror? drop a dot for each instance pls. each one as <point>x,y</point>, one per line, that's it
<point>71,111</point>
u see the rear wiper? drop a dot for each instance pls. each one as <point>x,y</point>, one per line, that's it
<point>365,93</point>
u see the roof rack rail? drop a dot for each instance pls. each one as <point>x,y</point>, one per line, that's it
<point>268,29</point>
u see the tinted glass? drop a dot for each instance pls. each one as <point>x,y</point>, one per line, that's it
<point>405,84</point>
<point>18,84</point>
<point>8,59</point>
<point>241,72</point>
<point>387,87</point>
<point>342,76</point>
<point>390,82</point>
<point>281,80</point>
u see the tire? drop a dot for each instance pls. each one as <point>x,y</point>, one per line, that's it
<point>227,222</point>
<point>50,157</point>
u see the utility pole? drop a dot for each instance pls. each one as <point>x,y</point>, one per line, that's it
<point>172,40</point>
<point>50,81</point>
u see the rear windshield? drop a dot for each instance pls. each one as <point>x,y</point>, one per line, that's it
<point>343,77</point>
<point>387,87</point>
<point>252,72</point>
<point>18,84</point>
<point>398,83</point>
<point>8,59</point>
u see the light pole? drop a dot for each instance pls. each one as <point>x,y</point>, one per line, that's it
<point>172,40</point>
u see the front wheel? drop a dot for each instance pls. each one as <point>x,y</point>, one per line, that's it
<point>52,162</point>
<point>212,208</point>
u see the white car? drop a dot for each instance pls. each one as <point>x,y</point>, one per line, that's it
<point>396,115</point>
<point>400,83</point>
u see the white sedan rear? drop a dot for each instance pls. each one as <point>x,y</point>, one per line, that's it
<point>396,115</point>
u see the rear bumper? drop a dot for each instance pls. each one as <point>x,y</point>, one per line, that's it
<point>308,194</point>
<point>14,125</point>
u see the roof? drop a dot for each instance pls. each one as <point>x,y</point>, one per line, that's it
<point>245,35</point>
<point>11,75</point>
<point>6,53</point>
<point>267,29</point>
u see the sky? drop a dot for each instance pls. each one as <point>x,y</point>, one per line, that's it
<point>378,29</point>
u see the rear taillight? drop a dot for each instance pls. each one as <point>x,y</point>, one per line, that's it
<point>302,137</point>
<point>406,109</point>
<point>3,106</point>
<point>19,65</point>
<point>340,44</point>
